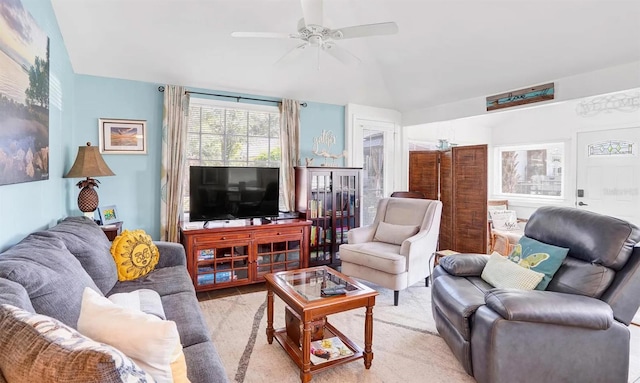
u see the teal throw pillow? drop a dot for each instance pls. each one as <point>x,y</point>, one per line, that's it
<point>539,257</point>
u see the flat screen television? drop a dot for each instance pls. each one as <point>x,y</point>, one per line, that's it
<point>224,192</point>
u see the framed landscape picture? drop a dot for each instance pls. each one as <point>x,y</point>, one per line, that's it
<point>108,215</point>
<point>122,136</point>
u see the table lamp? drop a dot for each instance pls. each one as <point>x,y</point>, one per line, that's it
<point>89,163</point>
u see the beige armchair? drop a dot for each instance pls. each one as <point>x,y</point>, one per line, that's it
<point>394,251</point>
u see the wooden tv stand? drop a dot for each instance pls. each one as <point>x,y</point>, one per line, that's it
<point>219,257</point>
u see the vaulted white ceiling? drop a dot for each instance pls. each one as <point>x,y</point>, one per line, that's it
<point>445,51</point>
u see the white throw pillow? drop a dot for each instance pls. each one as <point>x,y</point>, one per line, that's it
<point>396,234</point>
<point>149,341</point>
<point>145,300</point>
<point>500,272</point>
<point>504,219</point>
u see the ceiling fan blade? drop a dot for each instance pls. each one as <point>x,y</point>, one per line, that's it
<point>312,12</point>
<point>267,35</point>
<point>378,29</point>
<point>292,54</point>
<point>341,54</point>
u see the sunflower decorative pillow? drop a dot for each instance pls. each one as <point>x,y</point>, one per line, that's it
<point>135,254</point>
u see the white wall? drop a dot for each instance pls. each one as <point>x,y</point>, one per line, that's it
<point>553,122</point>
<point>568,88</point>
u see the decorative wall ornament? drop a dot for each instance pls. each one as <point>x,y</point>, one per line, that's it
<point>522,96</point>
<point>24,96</point>
<point>322,147</point>
<point>611,148</point>
<point>619,102</point>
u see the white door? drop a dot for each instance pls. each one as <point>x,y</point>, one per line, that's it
<point>609,175</point>
<point>377,151</point>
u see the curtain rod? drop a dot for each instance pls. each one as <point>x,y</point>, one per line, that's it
<point>238,98</point>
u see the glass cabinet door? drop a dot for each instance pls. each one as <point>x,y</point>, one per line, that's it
<point>222,264</point>
<point>278,256</point>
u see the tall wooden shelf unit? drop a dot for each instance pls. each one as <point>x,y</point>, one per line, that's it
<point>458,178</point>
<point>330,198</point>
<point>240,255</point>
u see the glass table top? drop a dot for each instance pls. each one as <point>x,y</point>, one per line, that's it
<point>310,284</point>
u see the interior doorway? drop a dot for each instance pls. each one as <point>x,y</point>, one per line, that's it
<point>378,150</point>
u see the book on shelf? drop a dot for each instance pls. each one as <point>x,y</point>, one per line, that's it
<point>329,349</point>
<point>313,208</point>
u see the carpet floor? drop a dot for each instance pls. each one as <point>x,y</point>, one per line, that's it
<point>406,345</point>
<point>405,342</point>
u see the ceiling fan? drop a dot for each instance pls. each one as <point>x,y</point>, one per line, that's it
<point>314,34</point>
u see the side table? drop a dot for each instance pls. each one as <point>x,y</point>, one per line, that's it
<point>112,230</point>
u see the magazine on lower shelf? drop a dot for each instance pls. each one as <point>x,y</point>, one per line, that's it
<point>329,349</point>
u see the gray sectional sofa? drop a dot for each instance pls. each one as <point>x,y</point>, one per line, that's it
<point>47,272</point>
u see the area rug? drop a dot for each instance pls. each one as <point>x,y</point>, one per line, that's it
<point>405,342</point>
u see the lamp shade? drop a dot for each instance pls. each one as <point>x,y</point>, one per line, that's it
<point>89,163</point>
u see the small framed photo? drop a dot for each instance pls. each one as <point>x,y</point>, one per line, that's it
<point>108,215</point>
<point>122,136</point>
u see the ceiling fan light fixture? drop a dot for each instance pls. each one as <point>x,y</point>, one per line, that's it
<point>315,40</point>
<point>313,33</point>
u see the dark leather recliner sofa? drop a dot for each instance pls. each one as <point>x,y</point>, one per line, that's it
<point>574,331</point>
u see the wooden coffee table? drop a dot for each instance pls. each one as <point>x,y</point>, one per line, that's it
<point>301,291</point>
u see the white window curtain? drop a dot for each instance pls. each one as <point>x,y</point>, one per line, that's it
<point>289,144</point>
<point>174,137</point>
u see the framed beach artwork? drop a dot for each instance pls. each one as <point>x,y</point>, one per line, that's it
<point>24,96</point>
<point>122,136</point>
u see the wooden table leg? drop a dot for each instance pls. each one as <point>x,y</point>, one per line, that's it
<point>269,315</point>
<point>368,337</point>
<point>305,374</point>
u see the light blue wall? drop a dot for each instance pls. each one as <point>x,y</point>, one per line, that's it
<point>135,188</point>
<point>313,120</point>
<point>32,206</point>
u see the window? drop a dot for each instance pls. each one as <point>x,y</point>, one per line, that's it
<point>531,170</point>
<point>230,134</point>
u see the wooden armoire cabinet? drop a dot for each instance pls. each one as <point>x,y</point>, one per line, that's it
<point>458,178</point>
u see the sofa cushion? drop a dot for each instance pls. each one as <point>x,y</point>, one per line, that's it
<point>135,254</point>
<point>375,255</point>
<point>540,257</point>
<point>87,242</point>
<point>392,233</point>
<point>149,341</point>
<point>184,309</point>
<point>403,211</point>
<point>31,344</point>
<point>502,273</point>
<point>583,278</point>
<point>165,281</point>
<point>14,294</point>
<point>592,237</point>
<point>52,276</point>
